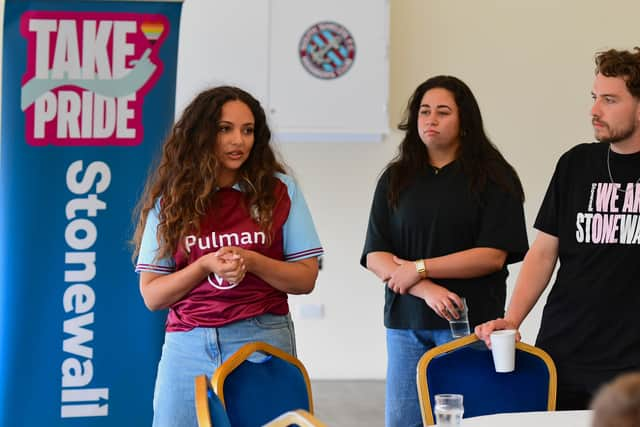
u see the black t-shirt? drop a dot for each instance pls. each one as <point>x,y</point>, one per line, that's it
<point>438,215</point>
<point>590,321</point>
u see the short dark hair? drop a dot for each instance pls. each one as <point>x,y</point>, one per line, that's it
<point>621,63</point>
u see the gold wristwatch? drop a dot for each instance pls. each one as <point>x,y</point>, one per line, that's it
<point>421,268</point>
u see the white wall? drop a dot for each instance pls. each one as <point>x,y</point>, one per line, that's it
<point>530,65</point>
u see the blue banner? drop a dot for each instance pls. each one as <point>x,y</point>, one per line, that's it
<point>88,92</point>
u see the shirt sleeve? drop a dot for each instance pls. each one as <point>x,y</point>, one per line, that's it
<point>502,224</point>
<point>149,247</point>
<point>378,230</point>
<point>547,218</point>
<point>300,237</point>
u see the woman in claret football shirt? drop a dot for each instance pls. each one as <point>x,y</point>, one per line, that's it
<point>224,235</point>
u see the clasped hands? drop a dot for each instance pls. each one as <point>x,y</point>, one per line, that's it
<point>229,263</point>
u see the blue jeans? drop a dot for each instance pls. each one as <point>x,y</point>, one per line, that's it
<point>186,355</point>
<point>405,347</point>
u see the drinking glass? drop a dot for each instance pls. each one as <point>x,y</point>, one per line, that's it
<point>460,326</point>
<point>448,410</point>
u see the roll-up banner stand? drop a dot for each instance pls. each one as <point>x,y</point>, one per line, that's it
<point>88,91</point>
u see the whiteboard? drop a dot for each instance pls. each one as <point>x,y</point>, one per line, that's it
<point>255,44</point>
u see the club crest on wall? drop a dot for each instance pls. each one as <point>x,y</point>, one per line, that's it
<point>327,50</point>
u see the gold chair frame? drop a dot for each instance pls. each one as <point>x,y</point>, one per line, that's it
<point>298,417</point>
<point>243,353</point>
<point>203,413</point>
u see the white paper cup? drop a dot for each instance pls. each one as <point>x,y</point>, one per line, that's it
<point>503,349</point>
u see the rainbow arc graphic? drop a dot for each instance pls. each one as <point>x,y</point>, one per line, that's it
<point>152,31</point>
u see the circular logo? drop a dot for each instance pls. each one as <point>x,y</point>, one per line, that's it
<point>219,283</point>
<point>327,50</point>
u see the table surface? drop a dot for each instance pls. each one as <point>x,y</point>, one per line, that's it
<point>532,419</point>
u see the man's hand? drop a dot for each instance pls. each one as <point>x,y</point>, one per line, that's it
<point>484,330</point>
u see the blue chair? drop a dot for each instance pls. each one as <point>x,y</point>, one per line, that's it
<point>209,409</point>
<point>259,382</point>
<point>298,418</point>
<point>465,366</point>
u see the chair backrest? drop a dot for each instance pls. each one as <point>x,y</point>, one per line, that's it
<point>260,382</point>
<point>297,418</point>
<point>465,366</point>
<point>209,409</point>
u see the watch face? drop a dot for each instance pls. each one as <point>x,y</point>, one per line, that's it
<point>420,268</point>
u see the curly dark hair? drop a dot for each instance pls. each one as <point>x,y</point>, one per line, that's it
<point>621,63</point>
<point>185,180</point>
<point>479,158</point>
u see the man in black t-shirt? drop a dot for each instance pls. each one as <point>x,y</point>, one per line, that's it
<point>589,221</point>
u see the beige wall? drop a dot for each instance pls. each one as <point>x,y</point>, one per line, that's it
<point>530,64</point>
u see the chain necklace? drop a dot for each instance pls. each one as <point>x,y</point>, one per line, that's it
<point>609,170</point>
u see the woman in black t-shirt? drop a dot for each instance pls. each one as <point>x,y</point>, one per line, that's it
<point>445,221</point>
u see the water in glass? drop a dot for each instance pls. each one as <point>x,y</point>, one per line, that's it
<point>459,328</point>
<point>448,416</point>
<point>448,409</point>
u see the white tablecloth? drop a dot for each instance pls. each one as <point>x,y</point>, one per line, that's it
<point>532,419</point>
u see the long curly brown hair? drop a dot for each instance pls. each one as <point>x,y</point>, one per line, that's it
<point>185,180</point>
